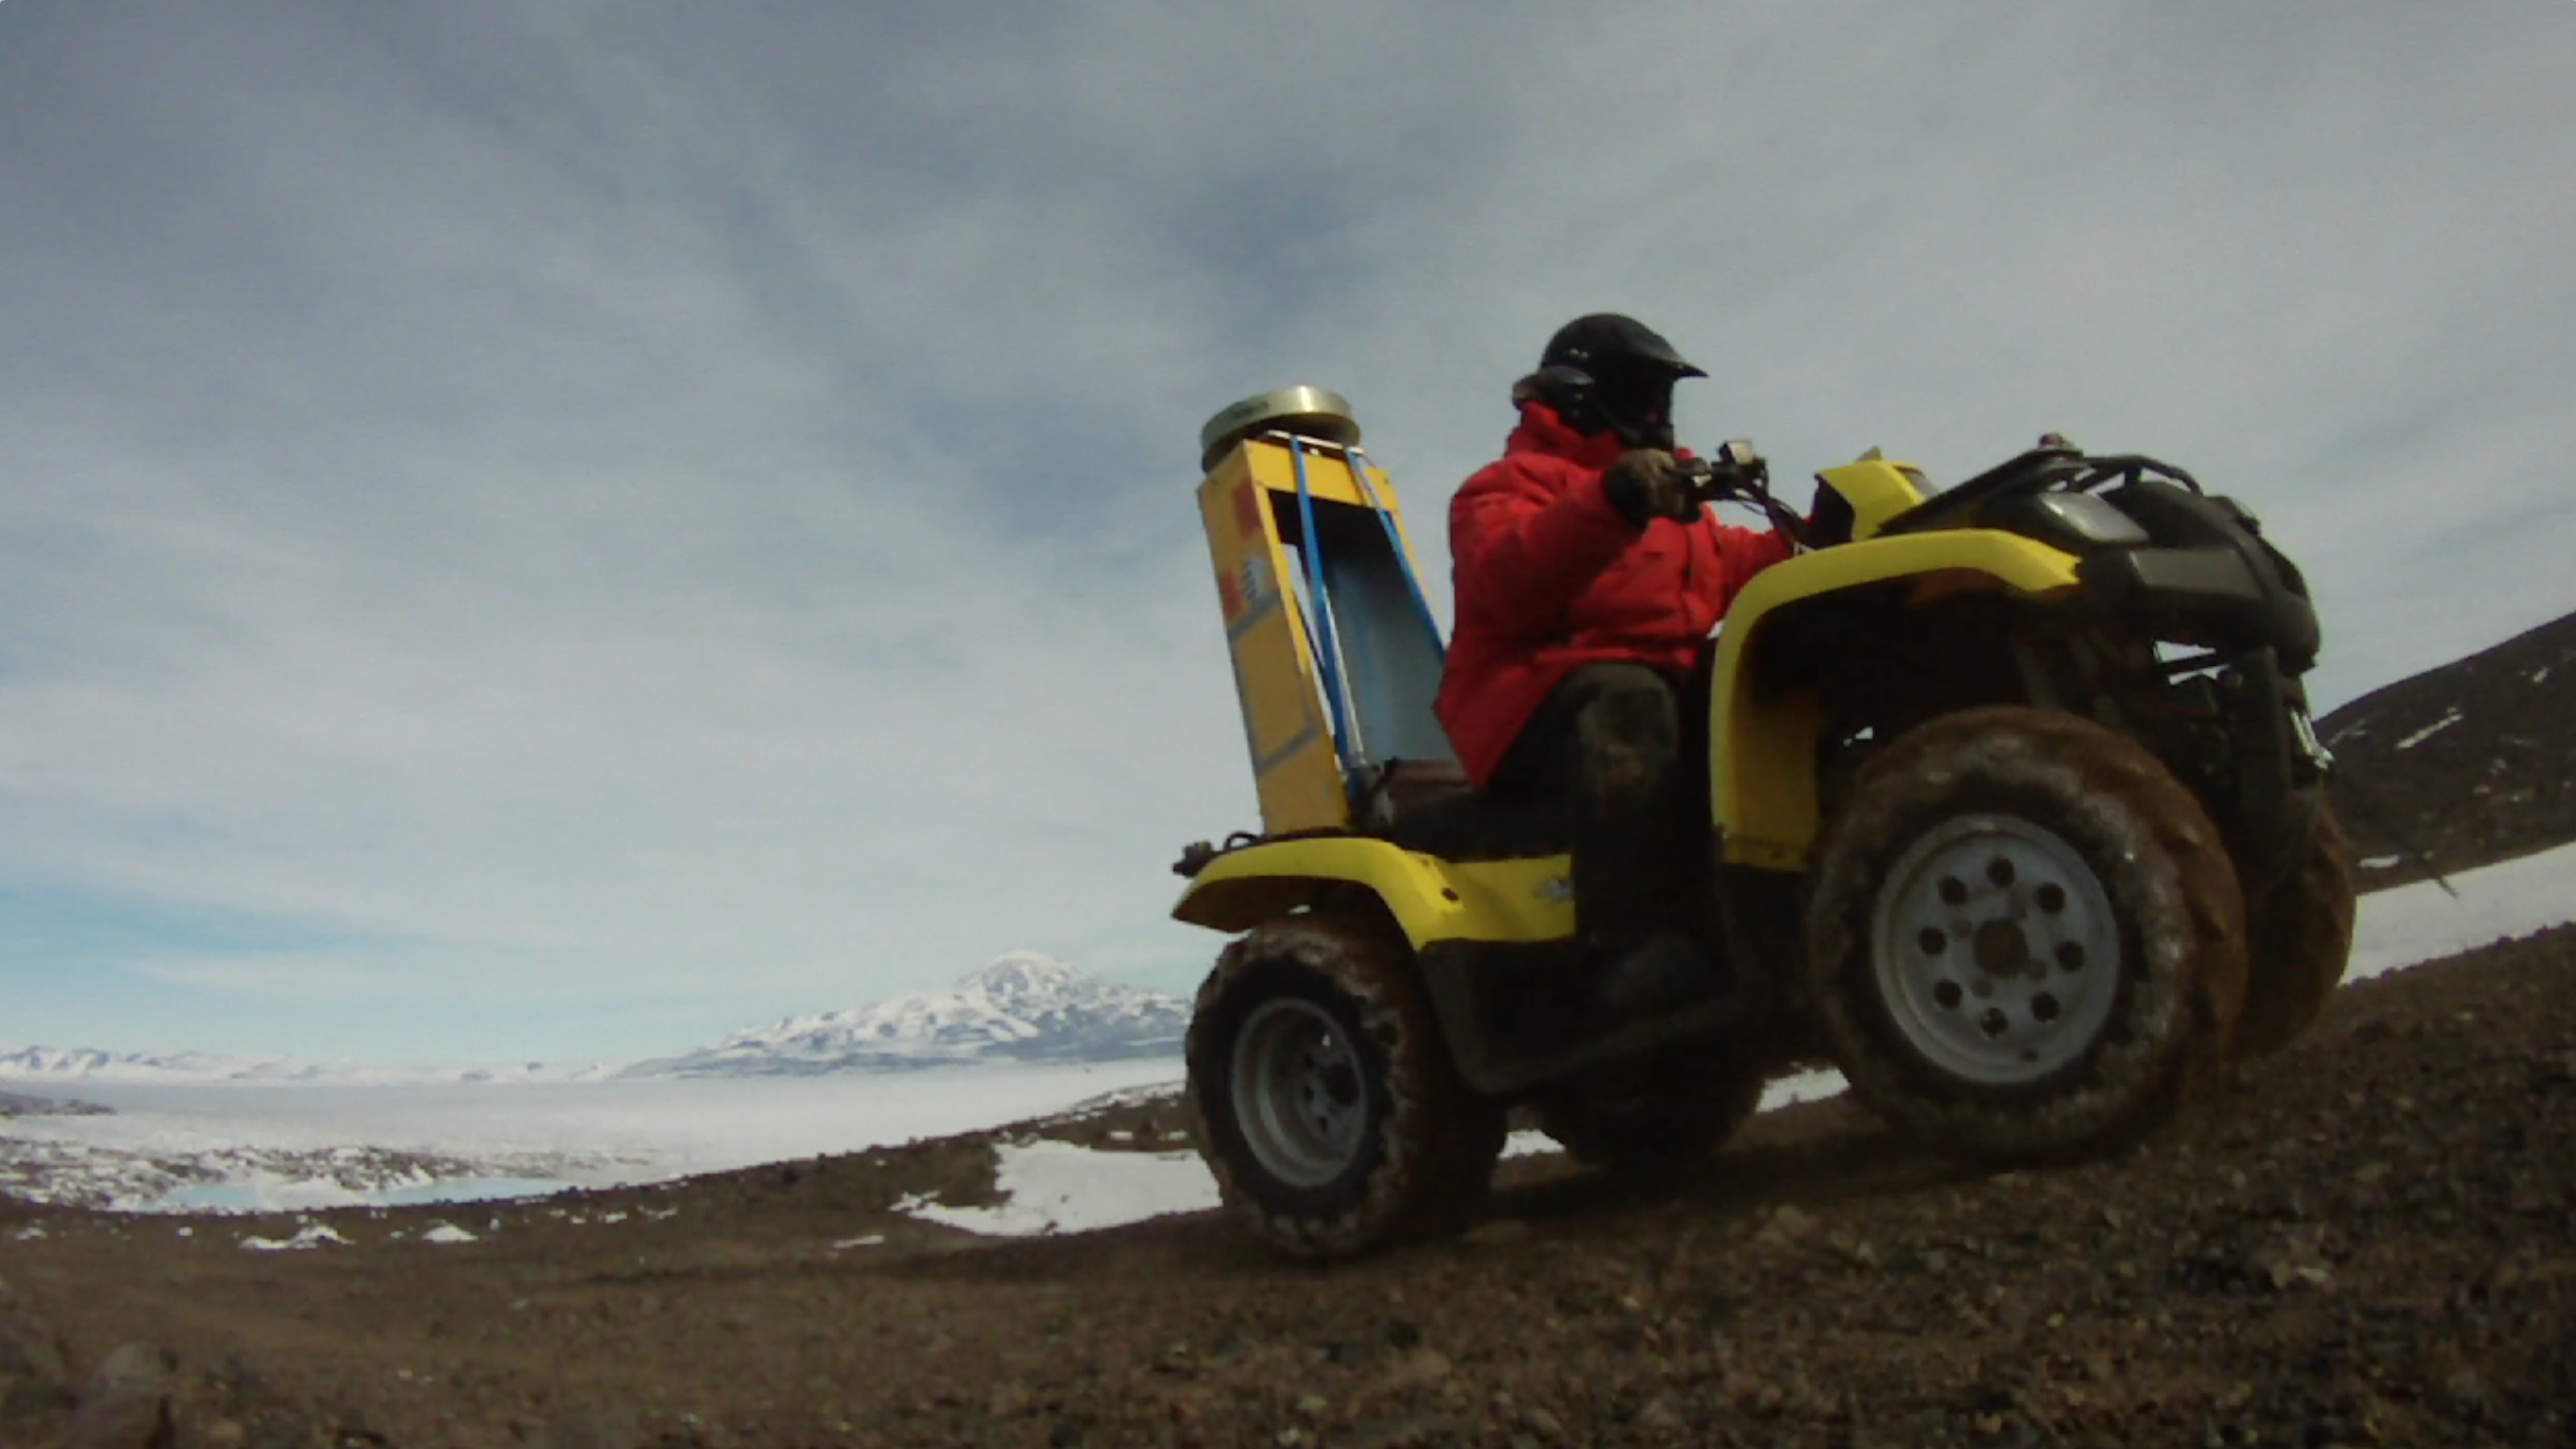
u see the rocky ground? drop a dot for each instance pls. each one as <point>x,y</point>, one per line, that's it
<point>2369,1240</point>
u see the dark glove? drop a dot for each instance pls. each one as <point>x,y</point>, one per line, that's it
<point>1647,484</point>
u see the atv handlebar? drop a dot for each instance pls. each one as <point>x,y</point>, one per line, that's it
<point>1735,473</point>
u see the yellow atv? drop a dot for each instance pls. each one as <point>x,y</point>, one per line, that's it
<point>2015,815</point>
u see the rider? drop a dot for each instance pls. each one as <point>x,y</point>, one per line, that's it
<point>1588,577</point>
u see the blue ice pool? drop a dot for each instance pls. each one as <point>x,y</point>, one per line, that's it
<point>469,1189</point>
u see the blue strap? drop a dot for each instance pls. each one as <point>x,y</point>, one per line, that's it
<point>1395,542</point>
<point>1327,655</point>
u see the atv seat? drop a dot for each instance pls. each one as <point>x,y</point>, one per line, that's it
<point>1428,806</point>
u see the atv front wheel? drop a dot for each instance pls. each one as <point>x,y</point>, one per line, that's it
<point>2302,940</point>
<point>2026,939</point>
<point>1670,1110</point>
<point>1324,1099</point>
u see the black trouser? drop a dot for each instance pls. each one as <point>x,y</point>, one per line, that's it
<point>1613,746</point>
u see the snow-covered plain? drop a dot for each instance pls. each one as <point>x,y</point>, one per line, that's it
<point>291,1146</point>
<point>259,1146</point>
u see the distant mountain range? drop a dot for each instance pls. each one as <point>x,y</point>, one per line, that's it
<point>90,1064</point>
<point>1022,1008</point>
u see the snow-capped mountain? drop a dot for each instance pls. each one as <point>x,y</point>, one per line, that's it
<point>1024,1007</point>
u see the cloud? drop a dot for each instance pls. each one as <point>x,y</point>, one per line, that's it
<point>687,510</point>
<point>297,978</point>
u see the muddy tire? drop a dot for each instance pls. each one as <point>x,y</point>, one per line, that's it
<point>1323,1097</point>
<point>1671,1110</point>
<point>2301,934</point>
<point>2026,941</point>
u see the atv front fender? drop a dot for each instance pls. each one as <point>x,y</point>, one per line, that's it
<point>1432,900</point>
<point>1762,744</point>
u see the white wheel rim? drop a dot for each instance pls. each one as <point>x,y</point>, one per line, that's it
<point>1995,949</point>
<point>1300,1095</point>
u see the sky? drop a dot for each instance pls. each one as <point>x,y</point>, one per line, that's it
<point>553,529</point>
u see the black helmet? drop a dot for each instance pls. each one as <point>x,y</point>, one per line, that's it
<point>1608,373</point>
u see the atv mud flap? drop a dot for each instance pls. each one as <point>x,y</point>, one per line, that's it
<point>1521,1014</point>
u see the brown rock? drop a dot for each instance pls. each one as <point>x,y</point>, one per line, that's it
<point>126,1402</point>
<point>1422,1366</point>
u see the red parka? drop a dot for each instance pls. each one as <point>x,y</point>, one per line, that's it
<point>1549,576</point>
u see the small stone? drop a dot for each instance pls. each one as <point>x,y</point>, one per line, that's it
<point>594,1428</point>
<point>1312,1406</point>
<point>1749,1392</point>
<point>126,1403</point>
<point>1661,1413</point>
<point>2369,1173</point>
<point>1785,1226</point>
<point>1540,1421</point>
<point>1422,1366</point>
<point>1404,1433</point>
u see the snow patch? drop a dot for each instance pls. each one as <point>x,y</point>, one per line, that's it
<point>449,1233</point>
<point>2448,719</point>
<point>311,1235</point>
<point>1057,1187</point>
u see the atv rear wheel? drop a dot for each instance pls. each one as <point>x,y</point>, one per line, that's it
<point>2301,931</point>
<point>1670,1110</point>
<point>2026,940</point>
<point>1324,1099</point>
